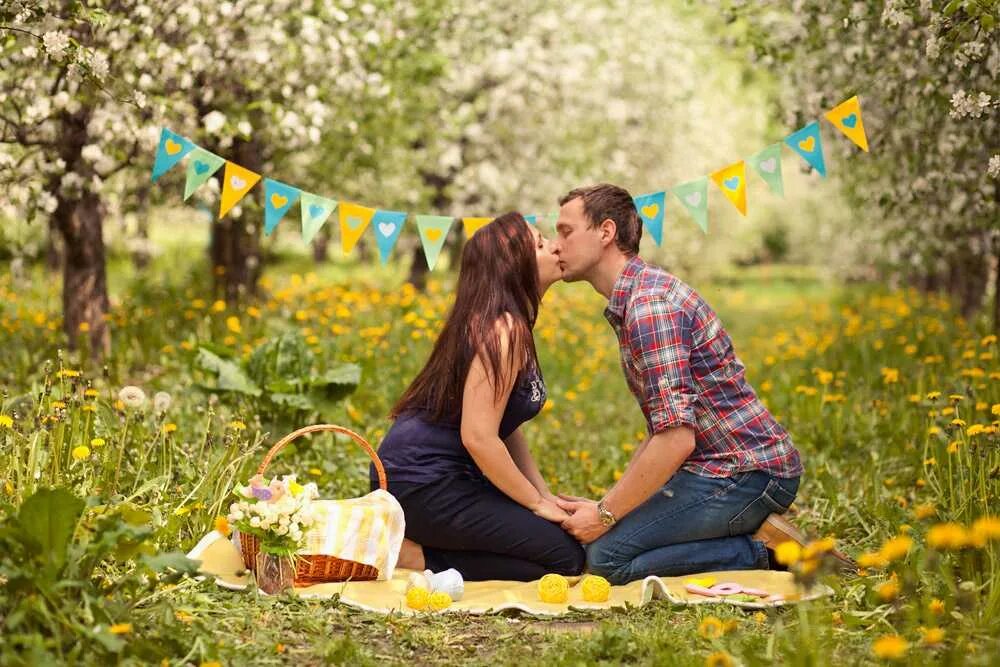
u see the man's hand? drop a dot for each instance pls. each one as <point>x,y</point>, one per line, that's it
<point>585,523</point>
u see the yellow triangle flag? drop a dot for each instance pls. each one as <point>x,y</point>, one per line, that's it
<point>732,180</point>
<point>472,225</point>
<point>354,220</point>
<point>846,117</point>
<point>236,182</point>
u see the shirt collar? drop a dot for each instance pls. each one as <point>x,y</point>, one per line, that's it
<point>622,289</point>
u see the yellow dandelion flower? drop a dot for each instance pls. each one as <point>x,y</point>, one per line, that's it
<point>233,324</point>
<point>169,427</point>
<point>97,442</point>
<point>947,536</point>
<point>438,600</point>
<point>953,447</point>
<point>936,607</point>
<point>84,327</point>
<point>933,395</point>
<point>931,636</point>
<point>985,529</point>
<point>888,591</point>
<point>221,525</point>
<point>871,559</point>
<point>81,452</point>
<point>219,306</point>
<point>58,405</point>
<point>788,553</point>
<point>237,425</point>
<point>890,647</point>
<point>711,627</point>
<point>120,628</point>
<point>924,511</point>
<point>896,548</point>
<point>719,659</point>
<point>6,421</point>
<point>90,393</point>
<point>956,398</point>
<point>958,422</point>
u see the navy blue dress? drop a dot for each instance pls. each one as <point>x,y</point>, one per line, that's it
<point>418,450</point>
<point>462,520</point>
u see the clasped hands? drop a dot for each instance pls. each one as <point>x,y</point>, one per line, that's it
<point>577,516</point>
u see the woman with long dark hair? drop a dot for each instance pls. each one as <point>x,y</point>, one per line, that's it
<point>455,457</point>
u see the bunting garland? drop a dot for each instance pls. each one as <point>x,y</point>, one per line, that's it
<point>355,218</point>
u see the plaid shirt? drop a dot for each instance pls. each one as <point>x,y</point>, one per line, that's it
<point>680,365</point>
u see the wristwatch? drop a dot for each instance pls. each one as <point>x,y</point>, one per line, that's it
<point>607,518</point>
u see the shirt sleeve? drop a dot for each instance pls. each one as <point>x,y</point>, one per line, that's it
<point>660,339</point>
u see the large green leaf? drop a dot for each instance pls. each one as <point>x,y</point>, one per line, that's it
<point>230,376</point>
<point>338,382</point>
<point>48,519</point>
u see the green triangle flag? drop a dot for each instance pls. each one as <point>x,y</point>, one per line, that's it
<point>433,231</point>
<point>767,164</point>
<point>315,211</point>
<point>200,167</point>
<point>694,196</point>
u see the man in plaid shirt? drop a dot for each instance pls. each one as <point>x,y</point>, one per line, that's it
<point>706,490</point>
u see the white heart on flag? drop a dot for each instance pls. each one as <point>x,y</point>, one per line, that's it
<point>387,228</point>
<point>768,166</point>
<point>693,199</point>
<point>237,182</point>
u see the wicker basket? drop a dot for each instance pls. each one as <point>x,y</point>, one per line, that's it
<point>316,568</point>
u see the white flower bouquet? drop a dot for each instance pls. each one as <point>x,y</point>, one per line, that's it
<point>278,513</point>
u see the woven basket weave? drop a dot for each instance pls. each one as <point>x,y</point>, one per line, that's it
<point>316,568</point>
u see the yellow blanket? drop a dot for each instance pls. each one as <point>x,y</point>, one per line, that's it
<point>220,558</point>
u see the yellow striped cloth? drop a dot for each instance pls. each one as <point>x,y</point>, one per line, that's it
<point>367,530</point>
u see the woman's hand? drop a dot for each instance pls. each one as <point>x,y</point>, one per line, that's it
<point>548,510</point>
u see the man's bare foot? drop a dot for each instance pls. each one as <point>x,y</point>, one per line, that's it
<point>411,556</point>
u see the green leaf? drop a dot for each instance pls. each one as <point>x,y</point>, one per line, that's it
<point>338,382</point>
<point>230,376</point>
<point>48,518</point>
<point>172,560</point>
<point>297,401</point>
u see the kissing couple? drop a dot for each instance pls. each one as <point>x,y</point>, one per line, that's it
<point>704,492</point>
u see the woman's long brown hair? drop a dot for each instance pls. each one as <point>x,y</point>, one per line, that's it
<point>498,275</point>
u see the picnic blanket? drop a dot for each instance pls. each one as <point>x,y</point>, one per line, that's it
<point>221,558</point>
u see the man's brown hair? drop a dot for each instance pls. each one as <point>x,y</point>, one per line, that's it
<point>605,201</point>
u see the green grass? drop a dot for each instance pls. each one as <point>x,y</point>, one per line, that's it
<point>873,452</point>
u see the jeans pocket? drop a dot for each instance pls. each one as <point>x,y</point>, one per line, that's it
<point>775,499</point>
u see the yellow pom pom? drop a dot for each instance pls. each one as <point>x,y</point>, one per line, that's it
<point>439,601</point>
<point>417,598</point>
<point>553,588</point>
<point>595,588</point>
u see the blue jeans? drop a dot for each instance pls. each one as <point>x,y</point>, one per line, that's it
<point>693,524</point>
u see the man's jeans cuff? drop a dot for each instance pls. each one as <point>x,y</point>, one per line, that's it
<point>761,561</point>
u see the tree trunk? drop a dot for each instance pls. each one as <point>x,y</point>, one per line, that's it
<point>321,247</point>
<point>141,255</point>
<point>996,285</point>
<point>418,268</point>
<point>85,286</point>
<point>53,250</point>
<point>235,245</point>
<point>975,280</point>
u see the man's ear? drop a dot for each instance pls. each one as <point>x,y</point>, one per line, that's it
<point>609,229</point>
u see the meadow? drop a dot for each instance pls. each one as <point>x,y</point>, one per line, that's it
<point>892,398</point>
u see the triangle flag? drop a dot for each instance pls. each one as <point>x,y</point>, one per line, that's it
<point>315,211</point>
<point>200,168</point>
<point>846,117</point>
<point>732,180</point>
<point>236,182</point>
<point>388,225</point>
<point>650,208</point>
<point>532,218</point>
<point>354,219</point>
<point>433,230</point>
<point>767,164</point>
<point>278,199</point>
<point>172,149</point>
<point>808,143</point>
<point>472,225</point>
<point>694,196</point>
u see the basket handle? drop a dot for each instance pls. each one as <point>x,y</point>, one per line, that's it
<point>326,427</point>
